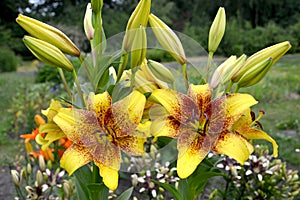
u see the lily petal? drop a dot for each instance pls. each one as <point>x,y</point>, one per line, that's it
<point>201,94</point>
<point>258,134</point>
<point>74,158</point>
<point>234,146</point>
<point>80,126</point>
<point>100,104</point>
<point>132,145</point>
<point>52,110</point>
<point>53,133</point>
<point>192,149</point>
<point>110,176</point>
<point>237,103</point>
<point>180,106</point>
<point>165,126</point>
<point>126,114</point>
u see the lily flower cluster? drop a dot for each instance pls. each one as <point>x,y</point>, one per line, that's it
<point>114,118</point>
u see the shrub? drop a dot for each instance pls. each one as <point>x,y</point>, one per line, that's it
<point>8,60</point>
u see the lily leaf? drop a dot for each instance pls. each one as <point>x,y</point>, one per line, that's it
<point>170,188</point>
<point>126,194</point>
<point>97,191</point>
<point>82,177</point>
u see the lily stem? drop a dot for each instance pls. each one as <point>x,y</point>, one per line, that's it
<point>122,65</point>
<point>63,78</point>
<point>185,76</point>
<point>209,60</point>
<point>78,88</point>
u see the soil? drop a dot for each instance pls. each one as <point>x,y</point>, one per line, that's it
<point>6,185</point>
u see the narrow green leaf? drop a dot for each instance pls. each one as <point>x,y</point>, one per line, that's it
<point>126,194</point>
<point>170,188</point>
<point>97,191</point>
<point>82,177</point>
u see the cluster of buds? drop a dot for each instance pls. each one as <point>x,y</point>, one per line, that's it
<point>261,177</point>
<point>42,181</point>
<point>142,182</point>
<point>246,72</point>
<point>48,43</point>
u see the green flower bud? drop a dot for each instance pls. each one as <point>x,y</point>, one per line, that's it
<point>48,33</point>
<point>29,169</point>
<point>160,71</point>
<point>167,38</point>
<point>15,177</point>
<point>220,71</point>
<point>139,46</point>
<point>87,23</point>
<point>139,17</point>
<point>255,74</point>
<point>39,178</point>
<point>42,163</point>
<point>275,52</point>
<point>47,53</point>
<point>217,30</point>
<point>97,5</point>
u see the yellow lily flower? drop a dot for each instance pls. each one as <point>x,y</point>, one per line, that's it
<point>201,124</point>
<point>100,133</point>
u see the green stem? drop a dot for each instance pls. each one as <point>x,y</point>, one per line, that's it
<point>236,89</point>
<point>78,88</point>
<point>229,87</point>
<point>63,78</point>
<point>122,65</point>
<point>173,85</point>
<point>209,60</point>
<point>185,76</point>
<point>19,192</point>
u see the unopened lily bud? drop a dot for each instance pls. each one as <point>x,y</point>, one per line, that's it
<point>67,189</point>
<point>160,71</point>
<point>49,164</point>
<point>15,177</point>
<point>28,147</point>
<point>139,46</point>
<point>48,33</point>
<point>39,178</point>
<point>42,163</point>
<point>275,52</point>
<point>28,169</point>
<point>39,120</point>
<point>48,53</point>
<point>167,38</point>
<point>97,5</point>
<point>255,74</point>
<point>219,72</point>
<point>217,30</point>
<point>87,22</point>
<point>139,17</point>
<point>23,173</point>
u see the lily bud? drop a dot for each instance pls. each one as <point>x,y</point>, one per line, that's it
<point>87,22</point>
<point>97,5</point>
<point>167,38</point>
<point>217,30</point>
<point>255,74</point>
<point>227,69</point>
<point>15,177</point>
<point>39,178</point>
<point>39,120</point>
<point>139,46</point>
<point>219,72</point>
<point>42,163</point>
<point>275,52</point>
<point>160,71</point>
<point>47,53</point>
<point>139,17</point>
<point>48,33</point>
<point>28,169</point>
